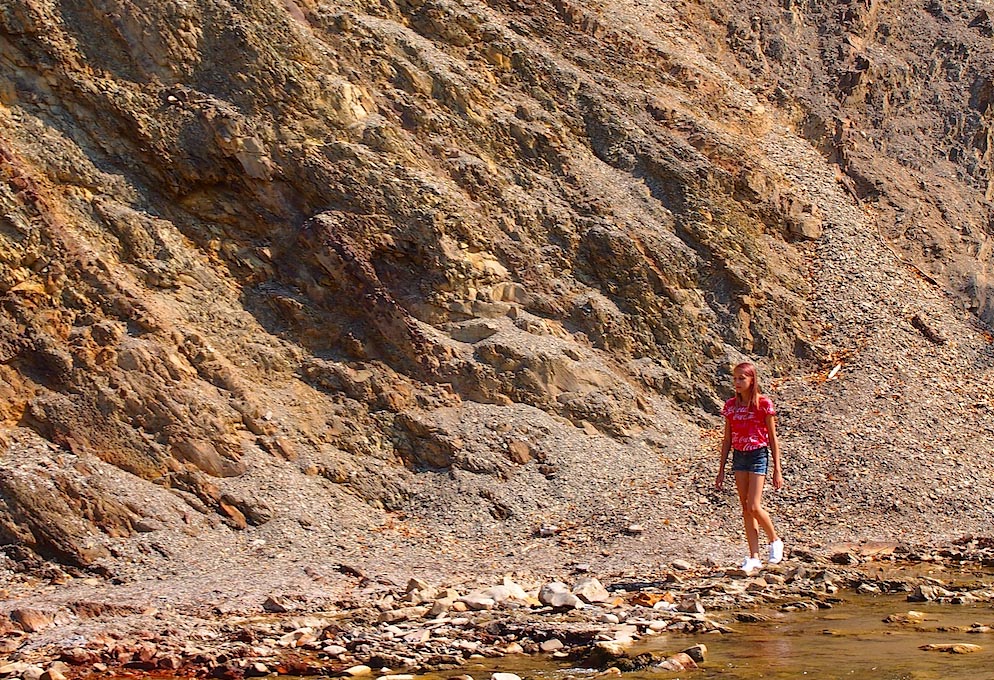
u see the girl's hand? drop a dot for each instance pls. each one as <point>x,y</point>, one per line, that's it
<point>719,480</point>
<point>777,480</point>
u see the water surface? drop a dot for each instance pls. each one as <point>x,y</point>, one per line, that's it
<point>852,641</point>
<point>848,641</point>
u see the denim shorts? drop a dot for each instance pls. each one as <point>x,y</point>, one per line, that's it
<point>756,461</point>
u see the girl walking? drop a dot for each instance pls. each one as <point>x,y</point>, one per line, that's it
<point>751,436</point>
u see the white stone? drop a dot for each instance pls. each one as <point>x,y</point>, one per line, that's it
<point>504,676</point>
<point>557,594</point>
<point>478,601</point>
<point>358,671</point>
<point>506,592</point>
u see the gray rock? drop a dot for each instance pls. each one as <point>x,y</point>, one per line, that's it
<point>474,331</point>
<point>416,584</point>
<point>928,593</point>
<point>698,652</point>
<point>478,601</point>
<point>691,604</point>
<point>277,604</point>
<point>591,591</point>
<point>557,594</point>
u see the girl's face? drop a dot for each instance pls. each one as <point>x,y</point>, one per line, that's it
<point>741,382</point>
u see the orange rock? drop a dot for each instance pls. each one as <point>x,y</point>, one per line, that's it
<point>32,620</point>
<point>520,452</point>
<point>234,514</point>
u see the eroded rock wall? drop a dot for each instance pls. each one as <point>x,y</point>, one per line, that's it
<point>898,95</point>
<point>298,230</point>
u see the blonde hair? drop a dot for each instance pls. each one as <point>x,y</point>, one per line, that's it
<point>748,369</point>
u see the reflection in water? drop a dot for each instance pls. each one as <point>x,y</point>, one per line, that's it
<point>769,651</point>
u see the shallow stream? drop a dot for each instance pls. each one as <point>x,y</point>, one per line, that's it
<point>852,641</point>
<point>848,641</point>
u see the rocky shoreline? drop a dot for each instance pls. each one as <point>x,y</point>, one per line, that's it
<point>401,629</point>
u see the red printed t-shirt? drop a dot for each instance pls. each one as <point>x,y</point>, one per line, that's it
<point>749,427</point>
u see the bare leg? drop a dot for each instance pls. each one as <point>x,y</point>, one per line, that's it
<point>754,516</point>
<point>743,485</point>
<point>756,507</point>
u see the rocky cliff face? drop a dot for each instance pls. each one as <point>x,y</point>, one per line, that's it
<point>309,242</point>
<point>898,96</point>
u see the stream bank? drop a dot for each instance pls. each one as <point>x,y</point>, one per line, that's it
<point>389,626</point>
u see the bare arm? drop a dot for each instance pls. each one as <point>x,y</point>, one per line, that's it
<point>771,427</point>
<point>726,446</point>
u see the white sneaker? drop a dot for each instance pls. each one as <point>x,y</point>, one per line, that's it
<point>751,564</point>
<point>776,551</point>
